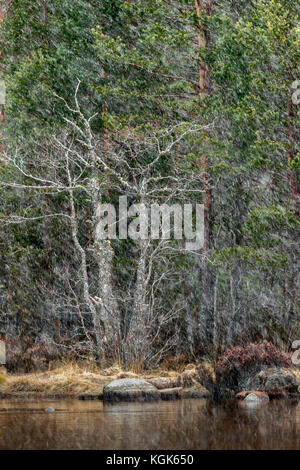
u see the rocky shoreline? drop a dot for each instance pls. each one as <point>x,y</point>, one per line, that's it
<point>267,384</point>
<point>257,385</point>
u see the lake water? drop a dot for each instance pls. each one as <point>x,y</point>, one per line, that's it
<point>181,425</point>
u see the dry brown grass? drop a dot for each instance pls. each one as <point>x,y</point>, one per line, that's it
<point>72,380</point>
<point>2,379</point>
<point>67,380</point>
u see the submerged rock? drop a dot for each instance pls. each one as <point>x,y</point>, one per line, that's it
<point>130,390</point>
<point>49,410</point>
<point>252,397</point>
<point>255,396</point>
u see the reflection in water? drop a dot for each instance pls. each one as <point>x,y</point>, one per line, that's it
<point>182,425</point>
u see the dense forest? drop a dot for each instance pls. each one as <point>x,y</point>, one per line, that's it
<point>164,102</point>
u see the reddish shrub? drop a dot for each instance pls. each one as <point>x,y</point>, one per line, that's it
<point>238,362</point>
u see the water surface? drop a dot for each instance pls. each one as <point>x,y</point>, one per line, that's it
<point>181,425</point>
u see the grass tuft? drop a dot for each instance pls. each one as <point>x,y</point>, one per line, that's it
<point>2,379</point>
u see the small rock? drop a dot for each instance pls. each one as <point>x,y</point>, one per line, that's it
<point>252,397</point>
<point>49,410</point>
<point>262,396</point>
<point>254,400</point>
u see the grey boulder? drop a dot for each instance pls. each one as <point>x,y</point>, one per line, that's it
<point>130,390</point>
<point>275,382</point>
